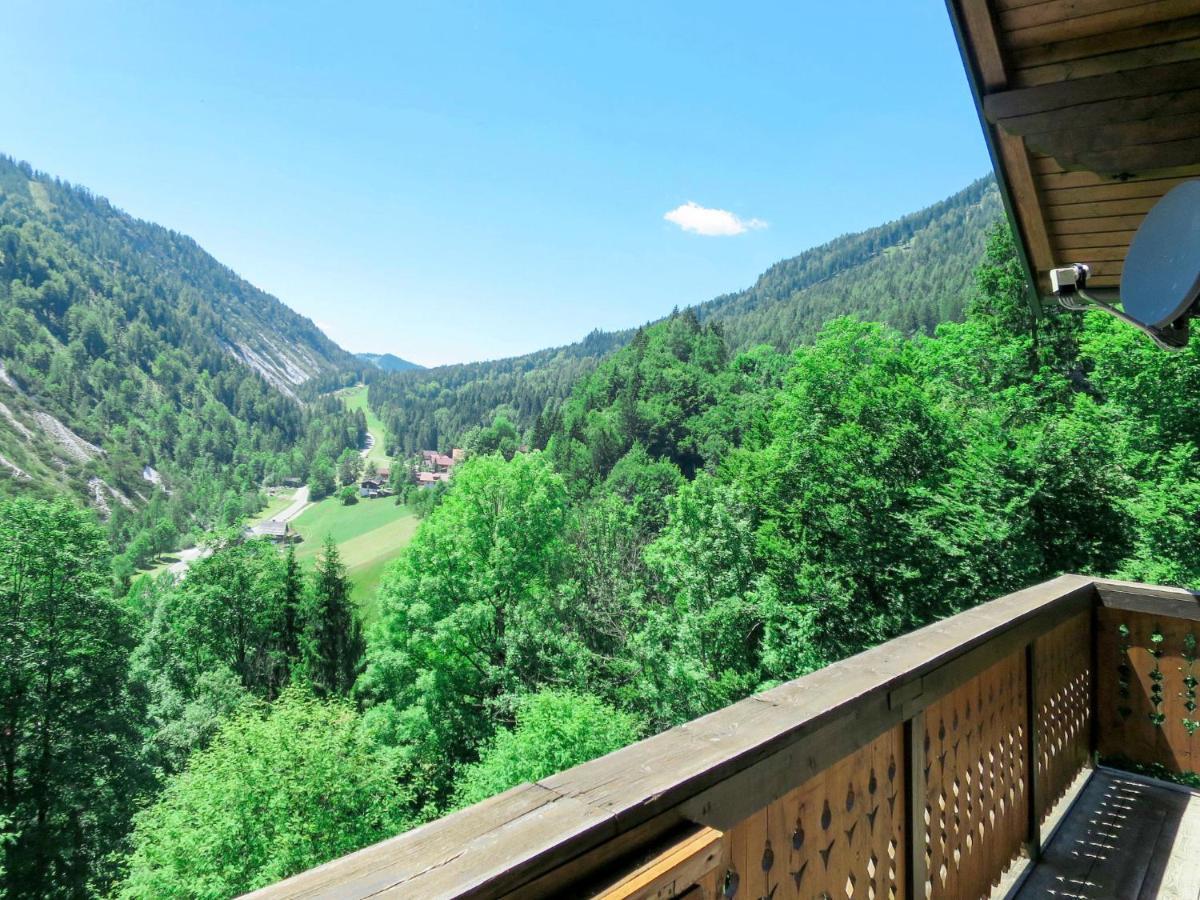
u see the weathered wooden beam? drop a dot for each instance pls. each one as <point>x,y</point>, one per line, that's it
<point>1033,799</point>
<point>1094,239</point>
<point>671,872</point>
<point>916,770</point>
<point>1062,95</point>
<point>1050,12</point>
<point>1128,223</point>
<point>1051,181</point>
<point>1027,205</point>
<point>506,833</point>
<point>1117,190</point>
<point>1172,603</point>
<point>1100,208</point>
<point>1143,157</point>
<point>1116,136</point>
<point>1102,114</point>
<point>981,27</point>
<point>1093,254</point>
<point>1136,58</point>
<point>1079,49</point>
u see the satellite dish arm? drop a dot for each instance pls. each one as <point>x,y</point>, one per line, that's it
<point>1171,337</point>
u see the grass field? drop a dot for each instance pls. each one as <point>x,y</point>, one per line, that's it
<point>356,398</point>
<point>369,535</point>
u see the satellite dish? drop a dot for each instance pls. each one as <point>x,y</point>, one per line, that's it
<point>1161,278</point>
<point>1160,281</point>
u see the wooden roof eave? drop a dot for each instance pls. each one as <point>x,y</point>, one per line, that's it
<point>975,30</point>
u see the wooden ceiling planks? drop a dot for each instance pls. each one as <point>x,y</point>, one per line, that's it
<point>1154,34</point>
<point>1092,109</point>
<point>1104,21</point>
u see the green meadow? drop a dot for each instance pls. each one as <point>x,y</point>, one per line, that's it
<point>356,398</point>
<point>369,535</point>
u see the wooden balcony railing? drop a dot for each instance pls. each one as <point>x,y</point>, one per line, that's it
<point>926,767</point>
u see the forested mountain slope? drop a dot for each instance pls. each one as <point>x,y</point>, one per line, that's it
<point>139,373</point>
<point>911,274</point>
<point>429,408</point>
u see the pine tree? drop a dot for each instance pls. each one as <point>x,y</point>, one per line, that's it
<point>333,639</point>
<point>293,604</point>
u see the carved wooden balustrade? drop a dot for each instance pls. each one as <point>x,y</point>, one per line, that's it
<point>925,767</point>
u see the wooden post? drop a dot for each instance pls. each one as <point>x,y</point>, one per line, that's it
<point>914,792</point>
<point>1094,688</point>
<point>1033,835</point>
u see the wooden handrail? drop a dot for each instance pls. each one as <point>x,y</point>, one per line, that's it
<point>974,727</point>
<point>714,772</point>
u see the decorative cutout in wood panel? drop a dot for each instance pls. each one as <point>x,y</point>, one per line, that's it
<point>975,782</point>
<point>839,835</point>
<point>1062,662</point>
<point>1148,672</point>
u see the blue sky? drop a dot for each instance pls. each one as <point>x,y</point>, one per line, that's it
<point>455,181</point>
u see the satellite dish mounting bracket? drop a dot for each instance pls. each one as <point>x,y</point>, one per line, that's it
<point>1173,337</point>
<point>1160,275</point>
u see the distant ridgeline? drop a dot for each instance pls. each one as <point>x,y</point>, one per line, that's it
<point>388,362</point>
<point>143,376</point>
<point>912,274</point>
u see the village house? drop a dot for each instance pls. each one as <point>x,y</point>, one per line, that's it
<point>279,532</point>
<point>370,488</point>
<point>435,466</point>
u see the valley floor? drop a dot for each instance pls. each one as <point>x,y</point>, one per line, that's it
<point>369,535</point>
<point>376,450</point>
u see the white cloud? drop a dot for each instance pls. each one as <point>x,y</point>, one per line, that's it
<point>711,222</point>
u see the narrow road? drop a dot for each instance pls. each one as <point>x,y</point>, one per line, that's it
<point>186,558</point>
<point>299,505</point>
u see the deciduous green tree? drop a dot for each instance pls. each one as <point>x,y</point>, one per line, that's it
<point>66,723</point>
<point>471,612</point>
<point>554,731</point>
<point>280,789</point>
